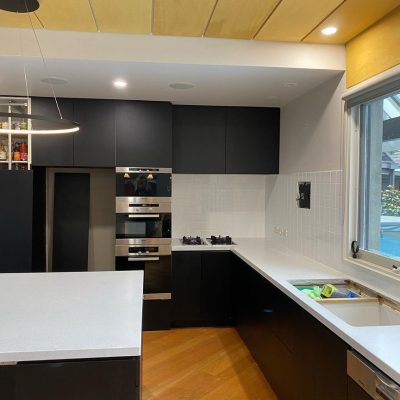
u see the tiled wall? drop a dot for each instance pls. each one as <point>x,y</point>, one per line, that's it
<point>314,232</point>
<point>218,204</point>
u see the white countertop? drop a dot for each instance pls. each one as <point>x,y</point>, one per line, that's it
<point>379,344</point>
<point>49,316</point>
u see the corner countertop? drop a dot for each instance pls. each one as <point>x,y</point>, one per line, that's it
<point>50,316</point>
<point>279,265</point>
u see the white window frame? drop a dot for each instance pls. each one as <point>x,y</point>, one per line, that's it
<point>376,88</point>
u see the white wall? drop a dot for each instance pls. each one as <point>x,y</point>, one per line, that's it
<point>311,130</point>
<point>310,150</point>
<point>207,205</point>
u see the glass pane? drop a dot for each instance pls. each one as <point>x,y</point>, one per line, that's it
<point>379,228</point>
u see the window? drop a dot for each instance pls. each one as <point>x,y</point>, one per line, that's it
<point>378,203</point>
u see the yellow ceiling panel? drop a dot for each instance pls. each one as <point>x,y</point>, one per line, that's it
<point>181,17</point>
<point>235,19</point>
<point>68,15</point>
<point>13,20</point>
<point>294,19</point>
<point>351,18</point>
<point>126,16</point>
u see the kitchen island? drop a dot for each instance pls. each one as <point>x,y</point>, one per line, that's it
<point>71,335</point>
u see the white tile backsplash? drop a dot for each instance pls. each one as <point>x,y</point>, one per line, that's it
<point>218,204</point>
<point>316,232</point>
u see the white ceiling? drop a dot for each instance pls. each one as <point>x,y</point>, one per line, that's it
<point>214,84</point>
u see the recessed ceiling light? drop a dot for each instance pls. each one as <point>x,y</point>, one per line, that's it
<point>54,80</point>
<point>120,83</point>
<point>181,85</point>
<point>290,84</point>
<point>330,30</point>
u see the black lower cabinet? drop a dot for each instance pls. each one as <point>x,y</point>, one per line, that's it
<point>97,379</point>
<point>201,288</point>
<point>356,392</point>
<point>156,315</point>
<point>300,357</point>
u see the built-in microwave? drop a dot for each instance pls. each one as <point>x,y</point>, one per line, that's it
<point>142,226</point>
<point>143,182</point>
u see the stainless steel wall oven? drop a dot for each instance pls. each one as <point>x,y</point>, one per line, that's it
<point>143,236</point>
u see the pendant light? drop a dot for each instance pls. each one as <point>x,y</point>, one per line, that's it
<point>58,125</point>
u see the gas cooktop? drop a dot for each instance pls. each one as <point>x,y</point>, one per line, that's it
<point>191,240</point>
<point>220,240</point>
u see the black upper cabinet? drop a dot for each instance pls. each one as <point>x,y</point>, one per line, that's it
<point>52,150</point>
<point>199,139</point>
<point>143,134</point>
<point>252,140</point>
<point>94,144</point>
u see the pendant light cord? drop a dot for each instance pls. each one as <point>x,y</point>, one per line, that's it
<point>43,60</point>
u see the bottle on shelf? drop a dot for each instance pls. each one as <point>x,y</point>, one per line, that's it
<point>24,151</point>
<point>3,150</point>
<point>16,152</point>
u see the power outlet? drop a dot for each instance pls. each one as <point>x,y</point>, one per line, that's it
<point>280,231</point>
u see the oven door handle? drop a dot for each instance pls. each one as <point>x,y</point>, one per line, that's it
<point>133,259</point>
<point>144,216</point>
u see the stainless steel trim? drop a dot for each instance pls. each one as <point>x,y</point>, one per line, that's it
<point>371,379</point>
<point>135,259</point>
<point>131,205</point>
<point>123,251</point>
<point>146,200</point>
<point>144,242</point>
<point>133,216</point>
<point>157,296</point>
<point>144,169</point>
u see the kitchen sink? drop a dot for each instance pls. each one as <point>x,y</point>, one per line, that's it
<point>368,308</point>
<point>365,313</point>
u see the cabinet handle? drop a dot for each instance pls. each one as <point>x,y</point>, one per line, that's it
<point>143,259</point>
<point>268,311</point>
<point>144,216</point>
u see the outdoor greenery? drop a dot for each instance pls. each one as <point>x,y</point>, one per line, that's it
<point>391,201</point>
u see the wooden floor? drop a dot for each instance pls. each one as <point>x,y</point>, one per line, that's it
<point>200,364</point>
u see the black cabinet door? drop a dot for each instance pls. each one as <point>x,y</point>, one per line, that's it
<point>94,144</point>
<point>216,303</point>
<point>186,288</point>
<point>79,380</point>
<point>198,140</point>
<point>52,150</point>
<point>7,382</point>
<point>356,392</point>
<point>143,134</point>
<point>16,205</point>
<point>252,140</point>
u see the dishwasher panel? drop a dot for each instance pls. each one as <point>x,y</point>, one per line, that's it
<point>377,385</point>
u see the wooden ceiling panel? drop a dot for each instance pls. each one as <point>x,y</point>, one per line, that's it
<point>235,19</point>
<point>294,19</point>
<point>13,20</point>
<point>351,18</point>
<point>67,15</point>
<point>125,16</point>
<point>181,17</point>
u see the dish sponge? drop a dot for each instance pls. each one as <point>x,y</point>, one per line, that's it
<point>314,293</point>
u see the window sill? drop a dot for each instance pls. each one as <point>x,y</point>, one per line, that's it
<point>373,267</point>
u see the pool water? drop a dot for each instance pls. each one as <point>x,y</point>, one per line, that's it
<point>390,246</point>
